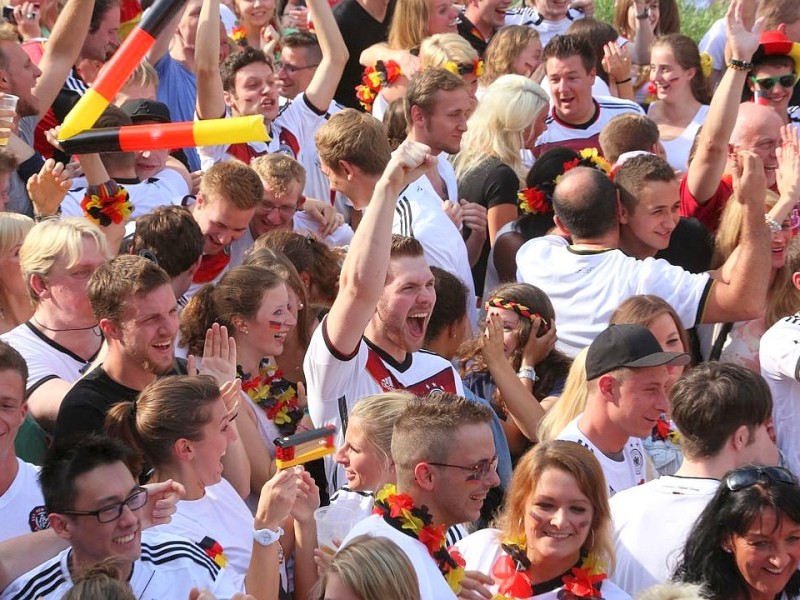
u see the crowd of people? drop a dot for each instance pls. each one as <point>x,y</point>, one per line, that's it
<point>532,274</point>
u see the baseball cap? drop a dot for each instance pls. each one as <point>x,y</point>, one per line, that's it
<point>146,110</point>
<point>630,346</point>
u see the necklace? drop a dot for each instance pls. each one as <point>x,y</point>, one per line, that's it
<point>276,396</point>
<point>398,510</point>
<point>510,571</point>
<point>96,327</point>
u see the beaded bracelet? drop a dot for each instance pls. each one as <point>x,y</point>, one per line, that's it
<point>739,65</point>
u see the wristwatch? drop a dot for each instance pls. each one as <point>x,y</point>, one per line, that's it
<point>528,373</point>
<point>774,226</point>
<point>266,537</point>
<point>645,14</point>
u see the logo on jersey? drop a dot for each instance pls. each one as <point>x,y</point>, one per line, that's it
<point>37,519</point>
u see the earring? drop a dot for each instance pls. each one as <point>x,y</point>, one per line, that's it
<point>244,330</point>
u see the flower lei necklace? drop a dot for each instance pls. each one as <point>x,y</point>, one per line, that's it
<point>398,510</point>
<point>274,394</point>
<point>510,570</point>
<point>664,431</point>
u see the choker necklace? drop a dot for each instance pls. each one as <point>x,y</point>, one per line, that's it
<point>95,326</point>
<point>398,510</point>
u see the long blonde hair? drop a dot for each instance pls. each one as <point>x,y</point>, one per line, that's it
<point>570,404</point>
<point>495,129</point>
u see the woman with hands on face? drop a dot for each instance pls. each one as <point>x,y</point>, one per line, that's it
<point>519,340</point>
<point>182,427</point>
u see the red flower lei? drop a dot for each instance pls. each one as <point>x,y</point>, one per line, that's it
<point>663,431</point>
<point>275,395</point>
<point>533,201</point>
<point>398,510</point>
<point>374,79</point>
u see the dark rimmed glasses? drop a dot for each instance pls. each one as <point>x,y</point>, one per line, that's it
<point>479,470</point>
<point>112,512</point>
<point>767,83</point>
<point>750,476</point>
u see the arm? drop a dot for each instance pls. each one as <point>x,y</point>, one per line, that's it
<point>62,50</point>
<point>473,216</point>
<point>305,536</point>
<point>45,400</point>
<point>644,35</point>
<point>161,47</point>
<point>409,64</point>
<point>210,99</point>
<point>505,255</point>
<point>709,162</point>
<point>367,262</point>
<point>745,297</point>
<point>261,467</point>
<point>334,56</point>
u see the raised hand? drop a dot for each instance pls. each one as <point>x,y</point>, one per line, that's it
<point>789,164</point>
<point>743,42</point>
<point>162,500</point>
<point>616,61</point>
<point>48,187</point>
<point>219,355</point>
<point>409,162</point>
<point>749,180</point>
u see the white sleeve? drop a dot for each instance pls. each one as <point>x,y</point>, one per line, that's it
<point>780,350</point>
<point>686,292</point>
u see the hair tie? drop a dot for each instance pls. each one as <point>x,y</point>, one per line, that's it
<point>706,64</point>
<point>520,309</point>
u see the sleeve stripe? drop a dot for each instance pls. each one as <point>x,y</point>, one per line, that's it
<point>701,306</point>
<point>42,583</point>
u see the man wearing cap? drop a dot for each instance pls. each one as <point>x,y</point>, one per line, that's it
<point>168,186</point>
<point>776,68</point>
<point>627,376</point>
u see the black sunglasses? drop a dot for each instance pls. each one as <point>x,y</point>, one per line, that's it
<point>767,83</point>
<point>750,476</point>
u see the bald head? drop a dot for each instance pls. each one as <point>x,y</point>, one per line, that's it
<point>758,129</point>
<point>585,201</point>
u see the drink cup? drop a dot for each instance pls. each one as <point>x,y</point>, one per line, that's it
<point>333,523</point>
<point>8,102</point>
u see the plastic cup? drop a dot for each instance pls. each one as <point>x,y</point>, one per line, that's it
<point>333,523</point>
<point>7,102</point>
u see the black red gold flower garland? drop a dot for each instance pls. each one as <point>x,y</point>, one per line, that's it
<point>275,395</point>
<point>374,79</point>
<point>398,510</point>
<point>111,204</point>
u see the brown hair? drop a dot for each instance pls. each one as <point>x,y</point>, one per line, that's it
<point>777,12</point>
<point>277,172</point>
<point>120,279</point>
<point>169,409</point>
<point>563,47</point>
<point>8,164</point>
<point>103,581</point>
<point>687,55</point>
<point>424,86</point>
<point>626,133</point>
<point>355,137</point>
<point>573,459</point>
<point>503,49</point>
<point>235,182</point>
<point>238,293</point>
<point>635,173</point>
<point>171,235</point>
<point>643,309</point>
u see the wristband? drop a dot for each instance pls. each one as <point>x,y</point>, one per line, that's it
<point>628,80</point>
<point>774,226</point>
<point>645,14</point>
<point>267,537</point>
<point>739,65</point>
<point>528,373</point>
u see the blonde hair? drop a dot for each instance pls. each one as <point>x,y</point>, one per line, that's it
<point>571,458</point>
<point>495,129</point>
<point>13,229</point>
<point>377,414</point>
<point>54,239</point>
<point>277,172</point>
<point>672,591</point>
<point>409,24</point>
<point>436,51</point>
<point>504,48</point>
<point>103,581</point>
<point>570,404</point>
<point>783,298</point>
<point>374,568</point>
<point>144,74</point>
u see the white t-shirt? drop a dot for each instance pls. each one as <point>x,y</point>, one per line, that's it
<point>780,367</point>
<point>587,286</point>
<point>165,188</point>
<point>482,548</point>
<point>46,359</point>
<point>651,525</point>
<point>219,516</point>
<point>22,505</point>
<point>620,474</point>
<point>530,17</point>
<point>678,148</point>
<point>559,133</point>
<point>432,584</point>
<point>419,214</point>
<point>336,382</point>
<point>713,43</point>
<point>169,567</point>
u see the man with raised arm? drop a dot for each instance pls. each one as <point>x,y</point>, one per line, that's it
<point>370,341</point>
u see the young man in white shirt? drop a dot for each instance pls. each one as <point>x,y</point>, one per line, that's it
<point>626,372</point>
<point>723,413</point>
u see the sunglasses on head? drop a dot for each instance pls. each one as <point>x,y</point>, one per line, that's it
<point>767,83</point>
<point>750,476</point>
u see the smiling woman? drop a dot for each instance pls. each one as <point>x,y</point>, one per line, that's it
<point>553,536</point>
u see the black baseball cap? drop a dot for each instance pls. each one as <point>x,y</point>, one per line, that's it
<point>630,346</point>
<point>147,110</point>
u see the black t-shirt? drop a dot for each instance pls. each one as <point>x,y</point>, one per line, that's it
<point>84,408</point>
<point>469,32</point>
<point>490,184</point>
<point>359,31</point>
<point>690,246</point>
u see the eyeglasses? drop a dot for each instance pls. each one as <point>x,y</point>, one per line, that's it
<point>286,210</point>
<point>292,69</point>
<point>479,470</point>
<point>767,83</point>
<point>750,476</point>
<point>112,512</point>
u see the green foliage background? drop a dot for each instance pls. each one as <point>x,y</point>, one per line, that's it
<point>694,23</point>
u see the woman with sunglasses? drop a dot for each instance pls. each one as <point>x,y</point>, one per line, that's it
<point>553,539</point>
<point>525,316</point>
<point>746,543</point>
<point>774,74</point>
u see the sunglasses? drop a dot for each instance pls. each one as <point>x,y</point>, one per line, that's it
<point>479,471</point>
<point>767,83</point>
<point>750,476</point>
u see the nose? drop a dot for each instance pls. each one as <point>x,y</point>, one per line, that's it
<point>558,518</point>
<point>274,216</point>
<point>290,321</point>
<point>128,518</point>
<point>230,434</point>
<point>493,479</point>
<point>662,403</point>
<point>341,457</point>
<point>223,238</point>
